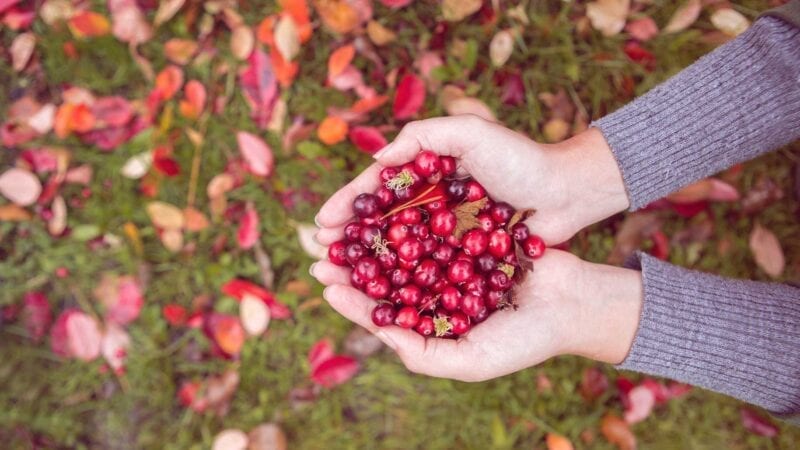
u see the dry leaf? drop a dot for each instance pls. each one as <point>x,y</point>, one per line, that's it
<point>340,59</point>
<point>608,16</point>
<point>14,213</point>
<point>642,29</point>
<point>20,186</point>
<point>267,436</point>
<point>379,34</point>
<point>631,233</point>
<point>21,50</point>
<point>332,130</point>
<point>256,153</point>
<point>684,17</point>
<point>220,390</point>
<point>641,402</point>
<point>305,234</point>
<point>220,185</point>
<point>137,166</point>
<point>254,314</point>
<point>230,439</point>
<point>167,9</point>
<point>166,216</point>
<point>767,251</point>
<point>555,130</point>
<point>501,47</point>
<point>455,10</point>
<point>558,442</point>
<point>172,239</point>
<point>287,38</point>
<point>83,336</point>
<point>242,42</point>
<point>58,223</point>
<point>180,51</point>
<point>466,216</point>
<point>194,220</point>
<point>337,15</point>
<point>730,21</point>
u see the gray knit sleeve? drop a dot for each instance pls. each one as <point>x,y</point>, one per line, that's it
<point>740,338</point>
<point>737,102</point>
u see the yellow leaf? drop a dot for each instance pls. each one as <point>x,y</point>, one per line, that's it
<point>455,10</point>
<point>730,21</point>
<point>684,17</point>
<point>337,15</point>
<point>380,35</point>
<point>287,39</point>
<point>242,42</point>
<point>501,47</point>
<point>166,216</point>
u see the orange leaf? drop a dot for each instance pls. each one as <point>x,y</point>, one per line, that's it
<point>195,100</point>
<point>285,71</point>
<point>229,335</point>
<point>368,104</point>
<point>558,442</point>
<point>169,81</point>
<point>180,51</point>
<point>617,432</point>
<point>194,220</point>
<point>264,32</point>
<point>337,15</point>
<point>340,58</point>
<point>73,117</point>
<point>89,24</point>
<point>332,130</point>
<point>298,11</point>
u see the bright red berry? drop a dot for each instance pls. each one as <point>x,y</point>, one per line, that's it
<point>387,173</point>
<point>427,163</point>
<point>425,326</point>
<point>460,323</point>
<point>471,304</point>
<point>378,288</point>
<point>443,254</point>
<point>367,268</point>
<point>410,250</point>
<point>533,247</point>
<point>443,223</point>
<point>387,260</point>
<point>398,233</point>
<point>450,298</point>
<point>427,273</point>
<point>385,196</point>
<point>383,315</point>
<point>410,294</point>
<point>410,216</point>
<point>475,191</point>
<point>475,242</point>
<point>485,222</point>
<point>407,317</point>
<point>499,243</point>
<point>337,253</point>
<point>448,165</point>
<point>459,271</point>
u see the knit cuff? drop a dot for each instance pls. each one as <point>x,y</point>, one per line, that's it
<point>740,338</point>
<point>733,104</point>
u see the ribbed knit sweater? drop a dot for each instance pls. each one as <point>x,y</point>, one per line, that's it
<point>740,338</point>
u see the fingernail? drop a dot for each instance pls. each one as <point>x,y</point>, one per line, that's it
<point>311,270</point>
<point>386,339</point>
<point>316,221</point>
<point>325,293</point>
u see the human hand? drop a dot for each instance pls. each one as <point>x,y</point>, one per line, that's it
<point>570,185</point>
<point>565,306</point>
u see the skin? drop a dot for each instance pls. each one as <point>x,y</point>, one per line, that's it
<point>566,305</point>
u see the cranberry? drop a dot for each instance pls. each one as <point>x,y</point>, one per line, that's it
<point>443,254</point>
<point>463,257</point>
<point>453,241</point>
<point>410,250</point>
<point>352,231</point>
<point>378,288</point>
<point>475,191</point>
<point>511,258</point>
<point>440,284</point>
<point>450,298</point>
<point>501,213</point>
<point>411,171</point>
<point>460,323</point>
<point>365,205</point>
<point>376,219</point>
<point>425,326</point>
<point>356,280</point>
<point>369,234</point>
<point>410,216</point>
<point>404,194</point>
<point>499,243</point>
<point>407,264</point>
<point>485,222</point>
<point>456,190</point>
<point>475,242</point>
<point>383,315</point>
<point>367,268</point>
<point>429,244</point>
<point>398,233</point>
<point>485,263</point>
<point>387,173</point>
<point>443,223</point>
<point>387,260</point>
<point>410,294</point>
<point>399,277</point>
<point>420,230</point>
<point>427,273</point>
<point>427,163</point>
<point>337,253</point>
<point>385,196</point>
<point>533,247</point>
<point>482,315</point>
<point>354,252</point>
<point>492,299</point>
<point>448,165</point>
<point>459,271</point>
<point>407,317</point>
<point>471,304</point>
<point>499,281</point>
<point>476,284</point>
<point>520,232</point>
<point>434,206</point>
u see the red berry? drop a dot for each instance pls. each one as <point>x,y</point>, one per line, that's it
<point>499,281</point>
<point>485,263</point>
<point>383,315</point>
<point>493,299</point>
<point>420,230</point>
<point>485,222</point>
<point>365,205</point>
<point>427,273</point>
<point>533,247</point>
<point>368,235</point>
<point>407,264</point>
<point>475,191</point>
<point>378,288</point>
<point>453,241</point>
<point>450,298</point>
<point>429,244</point>
<point>471,304</point>
<point>410,250</point>
<point>482,315</point>
<point>456,190</point>
<point>425,326</point>
<point>459,271</point>
<point>460,323</point>
<point>475,242</point>
<point>354,252</point>
<point>367,268</point>
<point>443,223</point>
<point>501,213</point>
<point>410,294</point>
<point>434,206</point>
<point>387,260</point>
<point>387,173</point>
<point>337,253</point>
<point>440,284</point>
<point>499,243</point>
<point>404,194</point>
<point>352,231</point>
<point>448,165</point>
<point>476,284</point>
<point>443,254</point>
<point>397,233</point>
<point>427,163</point>
<point>385,196</point>
<point>407,317</point>
<point>410,216</point>
<point>520,232</point>
<point>399,277</point>
<point>357,281</point>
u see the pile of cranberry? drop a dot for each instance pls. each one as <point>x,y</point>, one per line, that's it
<point>432,249</point>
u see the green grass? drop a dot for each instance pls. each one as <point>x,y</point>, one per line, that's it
<point>70,404</point>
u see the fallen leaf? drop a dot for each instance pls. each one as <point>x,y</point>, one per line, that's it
<point>616,431</point>
<point>340,59</point>
<point>20,186</point>
<point>195,99</point>
<point>338,15</point>
<point>169,81</point>
<point>42,120</point>
<point>764,193</point>
<point>58,222</point>
<point>267,436</point>
<point>631,233</point>
<point>287,38</point>
<point>362,343</point>
<point>237,288</point>
<point>466,216</point>
<point>409,97</point>
<point>249,232</point>
<point>13,213</point>
<point>83,336</point>
<point>684,16</point>
<point>558,442</point>
<point>298,11</point>
<point>593,383</point>
<point>87,24</point>
<point>165,215</point>
<point>166,10</point>
<point>260,87</point>
<point>36,315</point>
<point>730,21</point>
<point>642,29</point>
<point>194,220</point>
<point>380,35</point>
<point>257,155</point>
<point>254,315</point>
<point>711,189</point>
<point>367,139</point>
<point>174,314</point>
<point>53,11</point>
<point>767,251</point>
<point>180,51</point>
<point>242,42</point>
<point>230,439</point>
<point>757,424</point>
<point>121,297</point>
<point>128,22</point>
<point>456,10</point>
<point>640,404</point>
<point>501,47</point>
<point>332,130</point>
<point>219,185</point>
<point>228,334</point>
<point>21,50</point>
<point>334,371</point>
<point>608,16</point>
<point>114,345</point>
<point>137,166</point>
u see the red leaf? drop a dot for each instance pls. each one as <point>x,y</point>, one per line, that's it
<point>642,29</point>
<point>512,89</point>
<point>18,19</point>
<point>260,87</point>
<point>164,163</point>
<point>409,98</point>
<point>5,4</point>
<point>83,336</point>
<point>36,315</point>
<point>756,424</point>
<point>660,245</point>
<point>676,389</point>
<point>248,233</point>
<point>128,303</point>
<point>334,371</point>
<point>111,112</point>
<point>660,392</point>
<point>187,394</point>
<point>320,352</point>
<point>593,383</point>
<point>58,334</point>
<point>228,334</point>
<point>174,314</point>
<point>256,153</point>
<point>640,55</point>
<point>367,139</point>
<point>237,288</point>
<point>641,401</point>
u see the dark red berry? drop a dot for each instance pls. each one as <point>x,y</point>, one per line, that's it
<point>352,231</point>
<point>499,243</point>
<point>378,288</point>
<point>387,260</point>
<point>475,191</point>
<point>337,253</point>
<point>383,315</point>
<point>459,271</point>
<point>410,294</point>
<point>443,223</point>
<point>427,273</point>
<point>385,196</point>
<point>492,299</point>
<point>407,317</point>
<point>365,205</point>
<point>440,284</point>
<point>475,242</point>
<point>368,235</point>
<point>471,304</point>
<point>520,232</point>
<point>367,268</point>
<point>475,284</point>
<point>427,163</point>
<point>450,298</point>
<point>425,326</point>
<point>404,194</point>
<point>448,165</point>
<point>357,281</point>
<point>410,250</point>
<point>399,277</point>
<point>410,216</point>
<point>387,173</point>
<point>533,247</point>
<point>398,233</point>
<point>354,252</point>
<point>485,263</point>
<point>460,323</point>
<point>443,254</point>
<point>501,213</point>
<point>499,281</point>
<point>482,315</point>
<point>456,190</point>
<point>420,230</point>
<point>511,258</point>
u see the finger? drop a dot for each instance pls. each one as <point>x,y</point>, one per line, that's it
<point>327,236</point>
<point>339,208</point>
<point>329,273</point>
<point>451,136</point>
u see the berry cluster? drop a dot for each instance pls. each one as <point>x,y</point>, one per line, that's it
<point>433,249</point>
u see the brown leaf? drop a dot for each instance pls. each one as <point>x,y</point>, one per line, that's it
<point>13,213</point>
<point>166,216</point>
<point>362,343</point>
<point>267,436</point>
<point>608,16</point>
<point>337,15</point>
<point>167,9</point>
<point>767,251</point>
<point>455,10</point>
<point>631,234</point>
<point>616,431</point>
<point>466,216</point>
<point>684,16</point>
<point>520,215</point>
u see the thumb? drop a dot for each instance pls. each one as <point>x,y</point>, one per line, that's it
<point>447,136</point>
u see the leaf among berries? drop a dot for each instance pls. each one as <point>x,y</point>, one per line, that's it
<point>466,216</point>
<point>519,216</point>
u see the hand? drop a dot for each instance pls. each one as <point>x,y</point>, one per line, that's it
<point>570,185</point>
<point>565,306</point>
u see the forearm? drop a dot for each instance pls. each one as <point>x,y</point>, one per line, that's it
<point>735,103</point>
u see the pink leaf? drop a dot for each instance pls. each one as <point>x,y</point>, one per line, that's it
<point>128,22</point>
<point>396,3</point>
<point>111,112</point>
<point>756,424</point>
<point>248,233</point>
<point>128,304</point>
<point>83,336</point>
<point>320,352</point>
<point>641,401</point>
<point>367,139</point>
<point>58,334</point>
<point>722,191</point>
<point>642,29</point>
<point>36,315</point>
<point>237,288</point>
<point>5,4</point>
<point>334,371</point>
<point>20,186</point>
<point>114,345</point>
<point>409,98</point>
<point>257,154</point>
<point>260,87</point>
